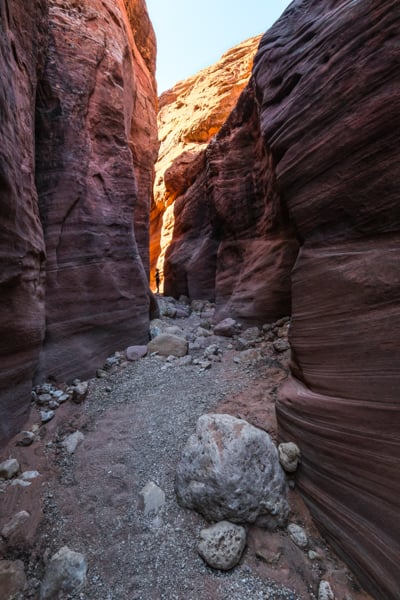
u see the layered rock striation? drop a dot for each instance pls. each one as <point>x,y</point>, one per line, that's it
<point>96,100</point>
<point>23,31</point>
<point>77,186</point>
<point>327,82</point>
<point>190,114</point>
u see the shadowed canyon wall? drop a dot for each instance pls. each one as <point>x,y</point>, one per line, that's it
<point>23,31</point>
<point>309,159</point>
<point>327,79</point>
<point>96,142</point>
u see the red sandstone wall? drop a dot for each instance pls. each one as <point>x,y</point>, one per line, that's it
<point>96,142</point>
<point>328,81</point>
<point>22,37</point>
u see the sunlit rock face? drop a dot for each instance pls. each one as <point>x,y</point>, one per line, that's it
<point>95,146</point>
<point>232,242</point>
<point>327,79</point>
<point>23,33</point>
<point>190,114</point>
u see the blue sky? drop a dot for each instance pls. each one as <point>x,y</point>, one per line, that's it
<point>192,34</point>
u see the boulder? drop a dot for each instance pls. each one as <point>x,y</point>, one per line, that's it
<point>65,575</point>
<point>167,344</point>
<point>227,327</point>
<point>222,545</point>
<point>230,470</point>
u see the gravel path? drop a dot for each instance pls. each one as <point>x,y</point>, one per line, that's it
<point>135,422</point>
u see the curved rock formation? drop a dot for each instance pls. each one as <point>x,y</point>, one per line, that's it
<point>96,142</point>
<point>22,38</point>
<point>95,81</point>
<point>190,114</point>
<point>327,79</point>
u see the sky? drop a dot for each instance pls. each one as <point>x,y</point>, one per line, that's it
<point>193,34</point>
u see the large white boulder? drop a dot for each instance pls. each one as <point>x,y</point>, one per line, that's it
<point>230,470</point>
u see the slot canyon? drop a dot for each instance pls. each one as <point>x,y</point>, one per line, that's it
<point>263,191</point>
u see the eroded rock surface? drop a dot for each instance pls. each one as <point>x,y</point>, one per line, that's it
<point>190,114</point>
<point>85,119</point>
<point>22,43</point>
<point>326,76</point>
<point>230,471</point>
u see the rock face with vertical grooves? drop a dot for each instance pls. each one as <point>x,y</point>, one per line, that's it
<point>190,114</point>
<point>232,241</point>
<point>96,99</point>
<point>22,40</point>
<point>96,141</point>
<point>327,79</point>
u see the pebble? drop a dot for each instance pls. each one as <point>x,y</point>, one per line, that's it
<point>29,475</point>
<point>80,390</point>
<point>71,442</point>
<point>222,545</point>
<point>26,438</point>
<point>43,399</point>
<point>46,415</point>
<point>18,521</point>
<point>298,535</point>
<point>153,499</point>
<point>289,456</point>
<point>325,591</point>
<point>281,345</point>
<point>9,468</point>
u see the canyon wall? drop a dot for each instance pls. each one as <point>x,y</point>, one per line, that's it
<point>95,146</point>
<point>190,114</point>
<point>23,31</point>
<point>301,182</point>
<point>327,80</point>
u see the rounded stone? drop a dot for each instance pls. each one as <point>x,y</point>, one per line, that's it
<point>222,545</point>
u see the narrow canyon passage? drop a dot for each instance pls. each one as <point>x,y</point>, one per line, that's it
<point>134,424</point>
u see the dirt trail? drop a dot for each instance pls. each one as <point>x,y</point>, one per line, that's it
<point>135,422</point>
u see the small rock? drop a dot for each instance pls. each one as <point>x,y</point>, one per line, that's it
<point>298,535</point>
<point>26,438</point>
<point>175,330</point>
<point>185,360</point>
<point>205,364</point>
<point>11,528</point>
<point>212,350</point>
<point>80,391</point>
<point>53,404</point>
<point>57,394</point>
<point>65,574</point>
<point>201,331</point>
<point>135,352</point>
<point>197,305</point>
<point>222,545</point>
<point>312,555</point>
<point>29,475</point>
<point>271,559</point>
<point>71,442</point>
<point>63,398</point>
<point>242,344</point>
<point>21,483</point>
<point>101,374</point>
<point>281,345</point>
<point>325,591</point>
<point>9,468</point>
<point>153,499</point>
<point>227,328</point>
<point>251,334</point>
<point>12,579</point>
<point>166,344</point>
<point>43,399</point>
<point>289,456</point>
<point>46,415</point>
